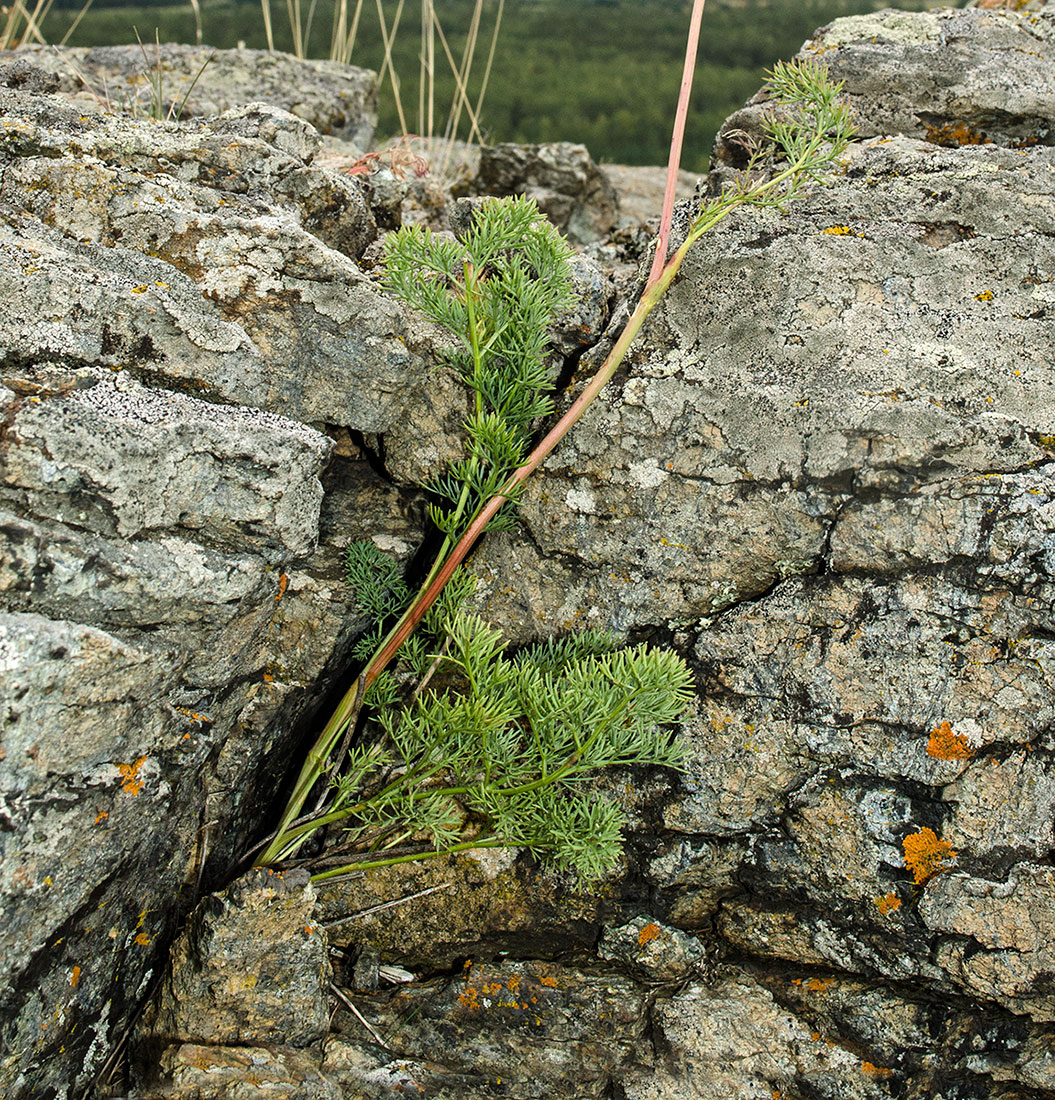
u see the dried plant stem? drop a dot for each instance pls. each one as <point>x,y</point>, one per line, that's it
<point>388,38</point>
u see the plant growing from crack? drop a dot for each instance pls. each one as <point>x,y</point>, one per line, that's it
<point>485,757</point>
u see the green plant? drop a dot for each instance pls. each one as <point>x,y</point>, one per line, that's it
<point>497,290</point>
<point>495,753</point>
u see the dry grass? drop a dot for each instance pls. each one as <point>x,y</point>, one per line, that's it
<point>347,19</point>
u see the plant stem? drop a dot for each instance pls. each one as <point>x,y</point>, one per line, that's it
<point>677,139</point>
<point>350,868</point>
<point>806,161</point>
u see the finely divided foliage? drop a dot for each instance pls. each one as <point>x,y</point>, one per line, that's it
<point>497,290</point>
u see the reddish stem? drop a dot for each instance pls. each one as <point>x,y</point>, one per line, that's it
<point>677,138</point>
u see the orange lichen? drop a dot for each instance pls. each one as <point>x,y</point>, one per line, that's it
<point>647,934</point>
<point>283,580</point>
<point>926,855</point>
<point>549,983</point>
<point>955,134</point>
<point>194,716</point>
<point>101,816</point>
<point>945,744</point>
<point>142,939</point>
<point>132,784</point>
<point>876,1071</point>
<point>75,977</point>
<point>818,985</point>
<point>888,903</point>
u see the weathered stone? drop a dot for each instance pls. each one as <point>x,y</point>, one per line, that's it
<point>823,473</point>
<point>335,99</point>
<point>732,1041</point>
<point>501,905</point>
<point>250,967</point>
<point>724,425</point>
<point>948,77</point>
<point>198,1071</point>
<point>531,1030</point>
<point>158,255</point>
<point>568,187</point>
<point>651,950</point>
<point>998,936</point>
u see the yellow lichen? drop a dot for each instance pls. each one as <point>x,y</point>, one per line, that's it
<point>647,934</point>
<point>926,855</point>
<point>132,784</point>
<point>888,903</point>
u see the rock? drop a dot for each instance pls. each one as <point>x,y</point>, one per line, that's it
<point>199,82</point>
<point>501,905</point>
<point>568,187</point>
<point>773,426</point>
<point>997,936</point>
<point>651,950</point>
<point>250,967</point>
<point>532,1030</point>
<point>639,190</point>
<point>197,1071</point>
<point>168,615</point>
<point>823,474</point>
<point>948,77</point>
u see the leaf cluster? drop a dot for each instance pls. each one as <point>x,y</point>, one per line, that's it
<point>497,290</point>
<point>498,752</point>
<point>806,133</point>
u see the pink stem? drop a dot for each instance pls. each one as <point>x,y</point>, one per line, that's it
<point>676,140</point>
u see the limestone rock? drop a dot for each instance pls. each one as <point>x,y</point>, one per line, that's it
<point>340,100</point>
<point>651,950</point>
<point>168,613</point>
<point>478,904</point>
<point>532,1030</point>
<point>948,77</point>
<point>197,1071</point>
<point>568,187</point>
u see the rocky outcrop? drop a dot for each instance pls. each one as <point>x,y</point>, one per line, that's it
<point>824,474</point>
<point>166,81</point>
<point>168,614</point>
<point>569,188</point>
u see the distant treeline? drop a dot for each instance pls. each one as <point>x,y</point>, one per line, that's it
<point>601,72</point>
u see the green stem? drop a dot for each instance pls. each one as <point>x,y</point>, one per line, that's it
<point>351,868</point>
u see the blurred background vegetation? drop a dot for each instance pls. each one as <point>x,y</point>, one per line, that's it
<point>601,72</point>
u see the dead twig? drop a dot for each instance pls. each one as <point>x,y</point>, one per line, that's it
<point>343,998</point>
<point>387,905</point>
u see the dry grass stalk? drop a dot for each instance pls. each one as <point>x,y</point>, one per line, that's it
<point>23,25</point>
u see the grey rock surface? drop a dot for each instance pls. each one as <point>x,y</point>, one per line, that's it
<point>824,474</point>
<point>169,615</point>
<point>949,77</point>
<point>561,177</point>
<point>198,81</point>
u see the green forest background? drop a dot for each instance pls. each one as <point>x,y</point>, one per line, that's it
<point>601,72</point>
